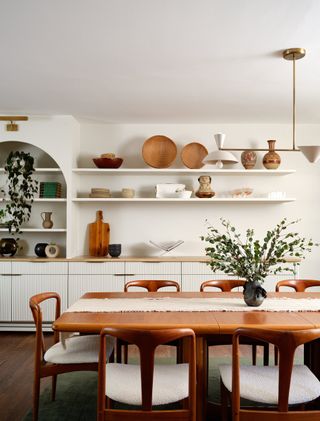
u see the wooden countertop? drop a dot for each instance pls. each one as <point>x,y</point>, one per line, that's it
<point>150,259</point>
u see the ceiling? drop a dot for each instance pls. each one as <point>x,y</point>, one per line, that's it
<point>170,61</point>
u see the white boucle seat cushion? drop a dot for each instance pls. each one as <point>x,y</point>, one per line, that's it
<point>260,384</point>
<point>170,383</point>
<point>77,349</point>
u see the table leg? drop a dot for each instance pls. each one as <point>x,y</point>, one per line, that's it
<point>202,361</point>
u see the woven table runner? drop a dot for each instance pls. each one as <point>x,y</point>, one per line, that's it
<point>165,304</point>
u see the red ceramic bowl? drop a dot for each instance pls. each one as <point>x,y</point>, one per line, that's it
<point>108,162</point>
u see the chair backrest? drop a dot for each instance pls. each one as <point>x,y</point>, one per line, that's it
<point>299,285</point>
<point>151,286</point>
<point>287,342</point>
<point>225,285</point>
<point>34,303</point>
<point>147,341</point>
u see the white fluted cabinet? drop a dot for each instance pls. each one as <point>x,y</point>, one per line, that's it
<point>5,291</point>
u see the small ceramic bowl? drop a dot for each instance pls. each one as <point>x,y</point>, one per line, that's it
<point>127,193</point>
<point>114,250</point>
<point>108,162</point>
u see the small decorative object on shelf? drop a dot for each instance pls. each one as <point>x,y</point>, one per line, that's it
<point>205,190</point>
<point>52,250</point>
<point>241,193</point>
<point>193,154</point>
<point>248,159</point>
<point>271,160</point>
<point>8,247</point>
<point>50,189</point>
<point>166,246</point>
<point>114,250</point>
<point>99,193</point>
<point>47,222</point>
<point>40,249</point>
<point>252,259</point>
<point>108,160</point>
<point>128,193</point>
<point>99,234</point>
<point>169,190</point>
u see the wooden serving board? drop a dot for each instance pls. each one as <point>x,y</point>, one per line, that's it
<point>99,236</point>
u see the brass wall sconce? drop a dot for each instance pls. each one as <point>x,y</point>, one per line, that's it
<point>12,126</point>
<point>311,152</point>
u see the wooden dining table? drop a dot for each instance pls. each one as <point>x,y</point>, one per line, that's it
<point>213,323</point>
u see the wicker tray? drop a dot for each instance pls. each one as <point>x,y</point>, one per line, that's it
<point>193,154</point>
<point>159,151</point>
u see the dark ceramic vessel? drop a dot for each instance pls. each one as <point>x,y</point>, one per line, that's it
<point>114,250</point>
<point>8,247</point>
<point>40,249</point>
<point>254,294</point>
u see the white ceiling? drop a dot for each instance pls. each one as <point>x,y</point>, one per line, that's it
<point>160,60</point>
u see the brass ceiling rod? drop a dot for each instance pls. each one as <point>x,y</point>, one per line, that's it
<point>292,54</point>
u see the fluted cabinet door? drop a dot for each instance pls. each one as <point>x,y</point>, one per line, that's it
<point>80,284</point>
<point>5,298</point>
<point>24,286</point>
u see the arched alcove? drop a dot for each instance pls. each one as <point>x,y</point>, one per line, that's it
<point>47,170</point>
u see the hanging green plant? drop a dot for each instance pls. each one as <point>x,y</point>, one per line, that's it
<point>21,188</point>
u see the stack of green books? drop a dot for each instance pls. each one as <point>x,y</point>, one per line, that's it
<point>50,189</point>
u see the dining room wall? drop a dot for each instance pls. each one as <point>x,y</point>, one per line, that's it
<point>135,224</point>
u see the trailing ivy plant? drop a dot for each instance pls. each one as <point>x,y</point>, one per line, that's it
<point>251,259</point>
<point>21,188</point>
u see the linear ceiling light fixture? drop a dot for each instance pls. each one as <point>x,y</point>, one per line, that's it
<point>12,126</point>
<point>311,152</point>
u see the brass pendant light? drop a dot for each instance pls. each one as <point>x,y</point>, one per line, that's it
<point>311,152</point>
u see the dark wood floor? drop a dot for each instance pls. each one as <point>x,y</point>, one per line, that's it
<point>16,375</point>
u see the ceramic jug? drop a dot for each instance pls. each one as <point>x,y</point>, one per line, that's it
<point>46,218</point>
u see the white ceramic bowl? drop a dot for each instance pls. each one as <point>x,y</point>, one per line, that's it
<point>186,194</point>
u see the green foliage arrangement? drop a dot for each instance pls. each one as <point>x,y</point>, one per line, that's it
<point>251,259</point>
<point>21,189</point>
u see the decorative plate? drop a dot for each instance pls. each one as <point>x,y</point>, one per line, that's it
<point>193,154</point>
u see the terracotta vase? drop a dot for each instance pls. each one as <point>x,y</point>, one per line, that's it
<point>205,191</point>
<point>271,160</point>
<point>248,159</point>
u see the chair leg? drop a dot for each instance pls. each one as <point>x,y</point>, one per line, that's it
<point>125,353</point>
<point>276,355</point>
<point>266,354</point>
<point>36,393</point>
<point>179,349</point>
<point>254,354</point>
<point>224,401</point>
<point>54,387</point>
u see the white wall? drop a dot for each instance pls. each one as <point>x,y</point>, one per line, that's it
<point>134,224</point>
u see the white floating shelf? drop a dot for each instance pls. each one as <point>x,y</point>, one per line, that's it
<point>40,170</point>
<point>154,171</point>
<point>37,230</point>
<point>191,200</point>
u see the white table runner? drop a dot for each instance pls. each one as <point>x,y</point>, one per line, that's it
<point>165,304</point>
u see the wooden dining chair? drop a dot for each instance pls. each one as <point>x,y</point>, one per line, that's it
<point>77,353</point>
<point>150,286</point>
<point>227,285</point>
<point>299,285</point>
<point>282,386</point>
<point>147,384</point>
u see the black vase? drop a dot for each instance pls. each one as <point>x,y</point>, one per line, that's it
<point>40,249</point>
<point>8,247</point>
<point>254,294</point>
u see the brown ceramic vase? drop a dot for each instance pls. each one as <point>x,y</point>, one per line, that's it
<point>248,159</point>
<point>271,160</point>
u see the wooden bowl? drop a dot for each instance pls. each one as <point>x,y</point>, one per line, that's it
<point>193,154</point>
<point>108,162</point>
<point>159,151</point>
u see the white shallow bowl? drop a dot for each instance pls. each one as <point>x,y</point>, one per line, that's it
<point>186,194</point>
<point>166,245</point>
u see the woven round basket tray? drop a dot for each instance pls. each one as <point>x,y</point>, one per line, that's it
<point>159,151</point>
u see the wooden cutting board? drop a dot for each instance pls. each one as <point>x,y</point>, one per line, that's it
<point>99,236</point>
